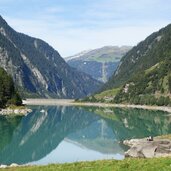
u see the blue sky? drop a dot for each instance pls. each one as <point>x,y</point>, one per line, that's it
<point>71,26</point>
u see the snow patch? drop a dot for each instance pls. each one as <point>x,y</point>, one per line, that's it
<point>77,55</point>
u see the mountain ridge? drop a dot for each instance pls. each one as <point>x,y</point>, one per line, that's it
<point>140,57</point>
<point>144,73</point>
<point>100,63</point>
<point>38,69</point>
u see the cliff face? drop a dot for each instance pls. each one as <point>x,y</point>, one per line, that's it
<point>38,69</point>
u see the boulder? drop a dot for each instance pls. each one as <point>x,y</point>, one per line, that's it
<point>14,165</point>
<point>141,148</point>
<point>2,166</point>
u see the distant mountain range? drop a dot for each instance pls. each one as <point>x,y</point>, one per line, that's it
<point>38,70</point>
<point>144,73</point>
<point>99,63</point>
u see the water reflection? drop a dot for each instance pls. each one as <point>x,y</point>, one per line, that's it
<point>135,123</point>
<point>54,134</point>
<point>7,127</point>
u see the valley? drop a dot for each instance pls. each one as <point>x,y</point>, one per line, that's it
<point>143,76</point>
<point>99,63</point>
<point>85,85</point>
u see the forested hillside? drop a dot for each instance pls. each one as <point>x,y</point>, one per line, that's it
<point>151,87</point>
<point>146,54</point>
<point>144,73</point>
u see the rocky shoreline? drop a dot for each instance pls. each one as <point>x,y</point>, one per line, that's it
<point>142,148</point>
<point>9,111</point>
<point>139,148</point>
<point>3,166</point>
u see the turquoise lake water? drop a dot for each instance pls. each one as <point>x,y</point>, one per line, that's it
<point>51,134</point>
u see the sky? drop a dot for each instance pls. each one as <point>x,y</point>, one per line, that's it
<point>71,26</point>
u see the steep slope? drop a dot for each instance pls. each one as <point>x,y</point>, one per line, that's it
<point>38,69</point>
<point>150,87</point>
<point>8,94</point>
<point>99,63</point>
<point>144,74</point>
<point>146,54</point>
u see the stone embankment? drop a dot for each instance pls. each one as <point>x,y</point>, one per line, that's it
<point>142,148</point>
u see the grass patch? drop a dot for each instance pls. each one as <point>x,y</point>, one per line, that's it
<point>13,107</point>
<point>107,93</point>
<point>155,164</point>
<point>151,68</point>
<point>168,136</point>
<point>106,59</point>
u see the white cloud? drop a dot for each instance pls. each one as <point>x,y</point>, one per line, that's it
<point>69,41</point>
<point>89,24</point>
<point>82,39</point>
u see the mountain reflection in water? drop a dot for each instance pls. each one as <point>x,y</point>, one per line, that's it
<point>66,134</point>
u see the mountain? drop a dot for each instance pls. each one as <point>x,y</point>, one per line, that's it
<point>8,94</point>
<point>144,73</point>
<point>99,63</point>
<point>38,69</point>
<point>152,86</point>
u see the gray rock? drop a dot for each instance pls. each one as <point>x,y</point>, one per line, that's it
<point>14,165</point>
<point>9,111</point>
<point>2,166</point>
<point>141,148</point>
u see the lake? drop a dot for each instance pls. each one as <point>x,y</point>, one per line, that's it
<point>59,134</point>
